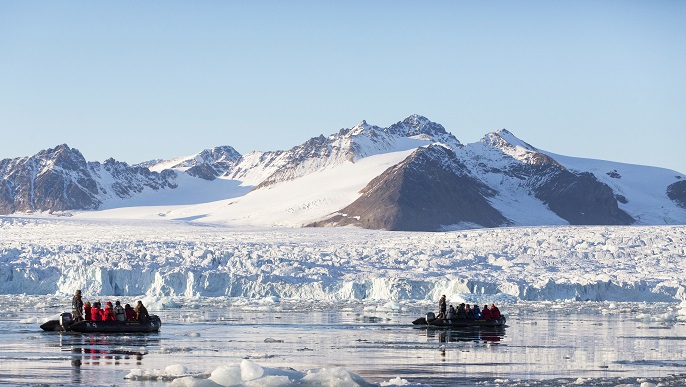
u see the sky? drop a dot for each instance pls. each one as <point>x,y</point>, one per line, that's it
<point>139,80</point>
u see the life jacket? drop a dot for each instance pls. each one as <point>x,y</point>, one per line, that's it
<point>108,315</point>
<point>96,314</point>
<point>486,314</point>
<point>130,314</point>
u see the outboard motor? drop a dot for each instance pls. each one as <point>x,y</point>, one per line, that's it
<point>430,317</point>
<point>66,320</point>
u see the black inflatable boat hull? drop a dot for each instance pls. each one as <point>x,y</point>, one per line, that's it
<point>152,325</point>
<point>461,323</point>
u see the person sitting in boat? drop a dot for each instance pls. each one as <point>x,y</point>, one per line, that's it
<point>96,312</point>
<point>77,306</point>
<point>476,312</point>
<point>119,313</point>
<point>141,312</point>
<point>130,313</point>
<point>486,313</point>
<point>451,313</point>
<point>108,313</point>
<point>495,312</point>
<point>442,307</point>
<point>470,313</point>
<point>461,312</point>
<point>87,311</point>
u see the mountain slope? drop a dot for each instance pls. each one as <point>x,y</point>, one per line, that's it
<point>429,190</point>
<point>517,170</point>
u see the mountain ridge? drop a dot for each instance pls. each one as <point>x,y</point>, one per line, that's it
<point>499,180</point>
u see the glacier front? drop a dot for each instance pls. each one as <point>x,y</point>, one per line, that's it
<point>51,255</point>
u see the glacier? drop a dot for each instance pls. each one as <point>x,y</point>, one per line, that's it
<point>49,255</point>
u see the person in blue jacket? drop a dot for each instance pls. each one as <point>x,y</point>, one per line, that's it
<point>477,312</point>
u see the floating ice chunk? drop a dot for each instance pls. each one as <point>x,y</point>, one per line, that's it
<point>269,300</point>
<point>141,374</point>
<point>333,377</point>
<point>135,374</point>
<point>176,370</point>
<point>227,375</point>
<point>662,317</point>
<point>250,371</point>
<point>390,306</point>
<point>397,381</point>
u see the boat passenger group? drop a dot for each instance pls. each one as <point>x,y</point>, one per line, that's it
<point>464,311</point>
<point>85,311</point>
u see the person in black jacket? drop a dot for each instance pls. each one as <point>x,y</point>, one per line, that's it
<point>141,312</point>
<point>442,306</point>
<point>77,306</point>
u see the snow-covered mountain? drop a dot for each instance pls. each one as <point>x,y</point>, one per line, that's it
<point>519,171</point>
<point>208,164</point>
<point>60,179</point>
<point>347,146</point>
<point>412,175</point>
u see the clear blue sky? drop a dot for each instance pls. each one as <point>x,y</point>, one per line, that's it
<point>137,80</point>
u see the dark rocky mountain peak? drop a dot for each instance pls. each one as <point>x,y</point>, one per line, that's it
<point>61,156</point>
<point>223,153</point>
<point>211,163</point>
<point>416,125</point>
<point>428,191</point>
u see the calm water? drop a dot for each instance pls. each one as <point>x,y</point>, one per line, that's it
<point>544,344</point>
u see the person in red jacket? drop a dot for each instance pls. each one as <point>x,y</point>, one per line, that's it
<point>486,313</point>
<point>495,312</point>
<point>96,312</point>
<point>87,311</point>
<point>108,314</point>
<point>130,312</point>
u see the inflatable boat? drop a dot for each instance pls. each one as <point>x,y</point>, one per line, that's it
<point>66,324</point>
<point>431,321</point>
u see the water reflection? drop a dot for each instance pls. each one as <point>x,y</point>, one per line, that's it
<point>87,350</point>
<point>492,335</point>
